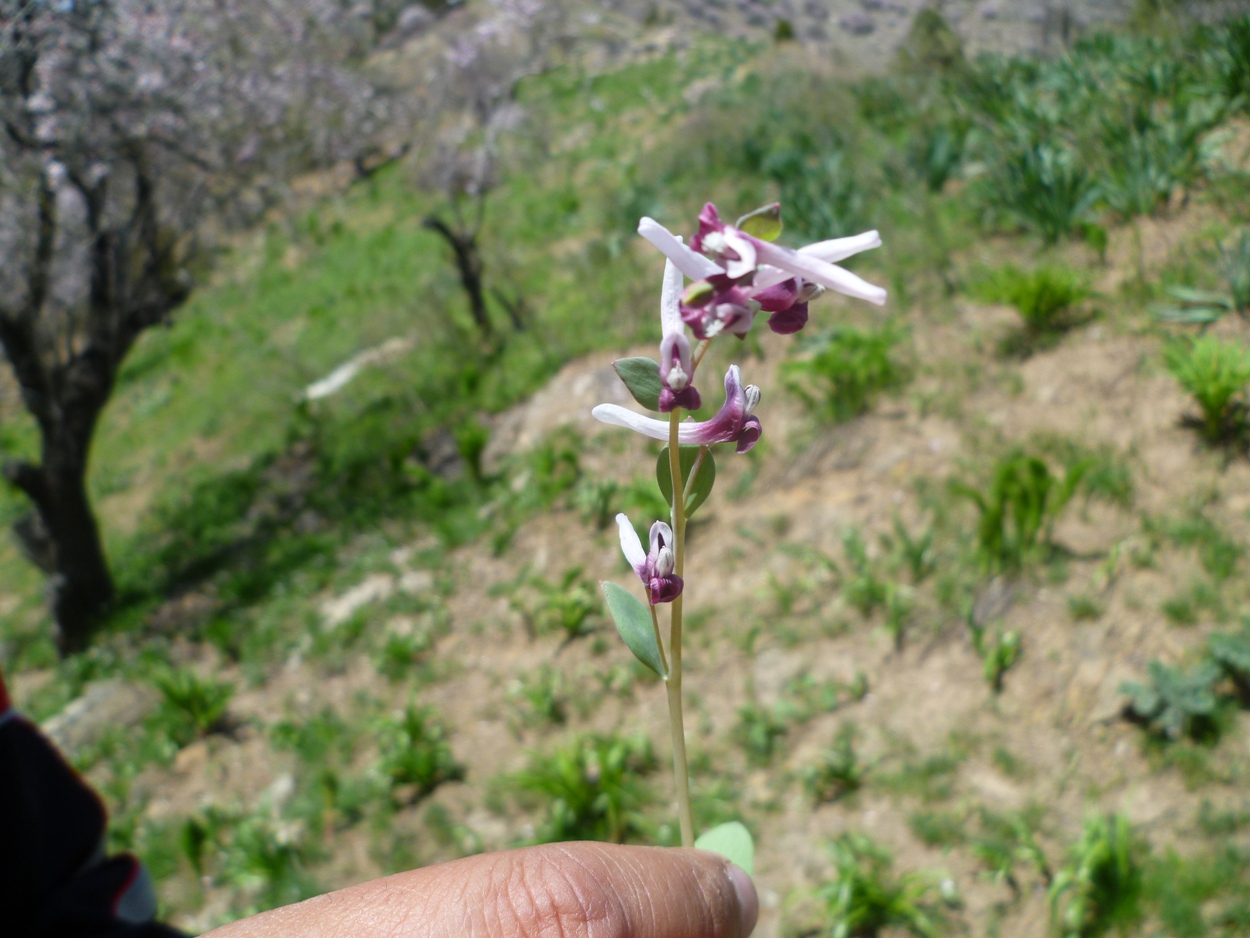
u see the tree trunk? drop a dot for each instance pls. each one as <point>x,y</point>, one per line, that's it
<point>469,265</point>
<point>79,585</point>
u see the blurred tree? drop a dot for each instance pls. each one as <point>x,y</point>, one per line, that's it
<point>127,127</point>
<point>484,65</point>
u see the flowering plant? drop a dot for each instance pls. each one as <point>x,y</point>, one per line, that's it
<point>736,272</point>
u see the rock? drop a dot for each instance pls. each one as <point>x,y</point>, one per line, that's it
<point>857,24</point>
<point>102,706</point>
<point>414,19</point>
<point>566,400</point>
<point>373,588</point>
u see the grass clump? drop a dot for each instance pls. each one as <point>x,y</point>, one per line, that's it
<point>760,731</point>
<point>1100,887</point>
<point>865,898</point>
<point>593,788</point>
<point>540,698</point>
<point>568,607</point>
<point>1019,507</point>
<point>192,706</point>
<point>837,771</point>
<point>1215,373</point>
<point>414,754</point>
<point>1046,299</point>
<point>842,371</point>
<point>1203,307</point>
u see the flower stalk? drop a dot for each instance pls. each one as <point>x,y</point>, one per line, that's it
<point>737,272</point>
<point>681,768</point>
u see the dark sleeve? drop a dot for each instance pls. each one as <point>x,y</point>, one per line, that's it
<point>54,878</point>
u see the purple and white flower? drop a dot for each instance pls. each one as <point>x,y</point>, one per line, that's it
<point>742,254</point>
<point>735,422</point>
<point>676,365</point>
<point>741,275</point>
<point>655,568</point>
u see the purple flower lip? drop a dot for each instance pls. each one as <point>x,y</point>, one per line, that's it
<point>733,423</point>
<point>654,568</point>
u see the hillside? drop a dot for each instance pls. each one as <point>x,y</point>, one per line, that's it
<point>360,632</point>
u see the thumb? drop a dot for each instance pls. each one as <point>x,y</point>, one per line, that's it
<point>573,890</point>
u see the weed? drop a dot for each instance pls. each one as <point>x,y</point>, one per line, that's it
<point>1083,606</point>
<point>1217,823</point>
<point>864,590</point>
<point>930,779</point>
<point>1019,508</point>
<point>594,788</point>
<point>998,652</point>
<point>1042,187</point>
<point>401,651</point>
<point>1101,884</point>
<point>570,607</point>
<point>316,740</point>
<point>1005,841</point>
<point>760,731</point>
<point>820,192</point>
<point>915,553</point>
<point>191,706</point>
<point>804,697</point>
<point>1231,653</point>
<point>1184,607</point>
<point>1216,374</point>
<point>596,499</point>
<point>1204,307</point>
<point>837,771</point>
<point>413,754</point>
<point>265,860</point>
<point>1176,702</point>
<point>865,897</point>
<point>842,370</point>
<point>539,698</point>
<point>938,828</point>
<point>1044,297</point>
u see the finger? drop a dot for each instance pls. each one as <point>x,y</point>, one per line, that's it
<point>574,890</point>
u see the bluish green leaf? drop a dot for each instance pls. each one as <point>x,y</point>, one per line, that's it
<point>733,842</point>
<point>703,480</point>
<point>633,621</point>
<point>764,223</point>
<point>642,377</point>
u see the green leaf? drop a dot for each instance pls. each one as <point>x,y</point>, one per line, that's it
<point>633,621</point>
<point>764,223</point>
<point>733,842</point>
<point>703,481</point>
<point>642,377</point>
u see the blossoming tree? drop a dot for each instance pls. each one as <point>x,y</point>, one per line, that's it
<point>124,125</point>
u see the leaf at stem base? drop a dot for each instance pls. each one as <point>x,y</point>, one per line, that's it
<point>733,842</point>
<point>633,621</point>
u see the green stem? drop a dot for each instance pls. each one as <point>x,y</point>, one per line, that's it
<point>681,771</point>
<point>659,642</point>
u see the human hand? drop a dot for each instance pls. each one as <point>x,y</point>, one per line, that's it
<point>571,890</point>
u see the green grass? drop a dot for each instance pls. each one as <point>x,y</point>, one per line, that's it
<point>217,488</point>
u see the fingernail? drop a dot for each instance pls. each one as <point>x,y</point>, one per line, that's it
<point>748,901</point>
